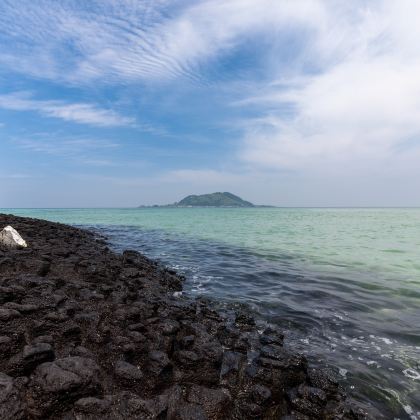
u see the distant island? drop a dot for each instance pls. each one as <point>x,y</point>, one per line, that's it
<point>217,199</point>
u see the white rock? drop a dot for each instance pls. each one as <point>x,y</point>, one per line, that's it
<point>10,238</point>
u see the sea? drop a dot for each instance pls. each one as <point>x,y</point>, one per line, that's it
<point>342,283</point>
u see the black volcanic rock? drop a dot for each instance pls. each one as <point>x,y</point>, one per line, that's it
<point>98,335</point>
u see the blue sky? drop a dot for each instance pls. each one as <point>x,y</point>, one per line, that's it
<point>128,102</point>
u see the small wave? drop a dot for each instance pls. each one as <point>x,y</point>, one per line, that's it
<point>412,374</point>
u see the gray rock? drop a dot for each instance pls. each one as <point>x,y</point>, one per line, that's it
<point>8,314</point>
<point>92,405</point>
<point>125,370</point>
<point>23,308</point>
<point>230,362</point>
<point>11,405</point>
<point>73,375</point>
<point>36,354</point>
<point>187,357</point>
<point>4,340</point>
<point>168,327</point>
<point>191,412</point>
<point>260,393</point>
<point>213,401</point>
<point>10,238</point>
<point>160,358</point>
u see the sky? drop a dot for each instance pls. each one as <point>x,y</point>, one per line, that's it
<point>119,103</point>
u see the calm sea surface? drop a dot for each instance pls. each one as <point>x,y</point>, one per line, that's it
<point>343,283</point>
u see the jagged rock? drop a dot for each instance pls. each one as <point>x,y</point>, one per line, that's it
<point>260,393</point>
<point>128,371</point>
<point>230,362</point>
<point>22,308</point>
<point>74,376</point>
<point>213,401</point>
<point>7,314</point>
<point>92,405</point>
<point>10,238</point>
<point>11,404</point>
<point>36,354</point>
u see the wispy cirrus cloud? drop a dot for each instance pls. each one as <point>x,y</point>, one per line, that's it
<point>81,113</point>
<point>15,176</point>
<point>138,40</point>
<point>46,143</point>
<point>83,151</point>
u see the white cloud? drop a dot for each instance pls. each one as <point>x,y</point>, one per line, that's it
<point>15,176</point>
<point>362,107</point>
<point>74,148</point>
<point>81,113</point>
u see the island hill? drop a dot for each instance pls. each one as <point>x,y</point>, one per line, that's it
<point>217,199</point>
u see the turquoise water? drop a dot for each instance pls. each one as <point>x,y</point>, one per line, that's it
<point>345,283</point>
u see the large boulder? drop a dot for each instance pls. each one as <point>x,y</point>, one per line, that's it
<point>10,238</point>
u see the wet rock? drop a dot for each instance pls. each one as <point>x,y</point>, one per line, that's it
<point>271,336</point>
<point>273,352</point>
<point>230,362</point>
<point>324,380</point>
<point>305,407</point>
<point>312,394</point>
<point>244,319</point>
<point>280,358</point>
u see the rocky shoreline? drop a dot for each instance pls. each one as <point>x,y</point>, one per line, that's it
<point>86,333</point>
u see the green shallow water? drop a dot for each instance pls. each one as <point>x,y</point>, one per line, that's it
<point>386,241</point>
<point>346,281</point>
